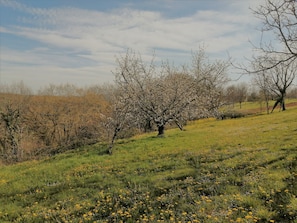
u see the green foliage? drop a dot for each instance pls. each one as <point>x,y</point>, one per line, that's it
<point>235,170</point>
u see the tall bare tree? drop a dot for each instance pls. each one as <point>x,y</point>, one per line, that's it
<point>211,79</point>
<point>281,79</point>
<point>276,57</point>
<point>279,18</point>
<point>275,81</point>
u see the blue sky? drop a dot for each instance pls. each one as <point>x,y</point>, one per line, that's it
<point>77,41</point>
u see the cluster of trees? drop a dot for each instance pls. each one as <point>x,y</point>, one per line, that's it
<point>33,125</point>
<point>144,98</point>
<point>147,95</point>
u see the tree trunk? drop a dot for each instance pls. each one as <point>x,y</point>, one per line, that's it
<point>267,105</point>
<point>115,134</point>
<point>278,100</point>
<point>283,104</point>
<point>148,125</point>
<point>161,130</point>
<point>281,101</point>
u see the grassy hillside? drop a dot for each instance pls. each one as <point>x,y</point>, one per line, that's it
<point>259,107</point>
<point>238,170</point>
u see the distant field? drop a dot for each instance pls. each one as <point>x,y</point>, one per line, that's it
<point>235,170</point>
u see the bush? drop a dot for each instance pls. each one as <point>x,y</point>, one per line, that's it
<point>231,115</point>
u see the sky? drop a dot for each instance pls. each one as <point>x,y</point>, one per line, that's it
<point>77,41</point>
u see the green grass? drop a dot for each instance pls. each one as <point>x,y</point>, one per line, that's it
<point>259,107</point>
<point>237,170</point>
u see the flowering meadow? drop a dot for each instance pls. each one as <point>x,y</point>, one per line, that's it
<point>237,170</point>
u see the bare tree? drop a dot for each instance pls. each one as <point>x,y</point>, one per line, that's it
<point>230,95</point>
<point>275,81</point>
<point>210,80</point>
<point>279,17</point>
<point>276,57</point>
<point>281,79</point>
<point>10,141</point>
<point>18,88</point>
<point>118,116</point>
<point>14,101</point>
<point>12,126</point>
<point>237,93</point>
<point>61,90</point>
<point>263,81</point>
<point>160,96</point>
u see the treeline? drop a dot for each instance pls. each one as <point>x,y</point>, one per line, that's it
<point>62,117</point>
<point>143,98</point>
<point>34,125</point>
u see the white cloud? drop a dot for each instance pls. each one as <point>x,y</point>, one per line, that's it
<point>88,40</point>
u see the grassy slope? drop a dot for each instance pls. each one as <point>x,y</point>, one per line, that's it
<point>260,107</point>
<point>240,170</point>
